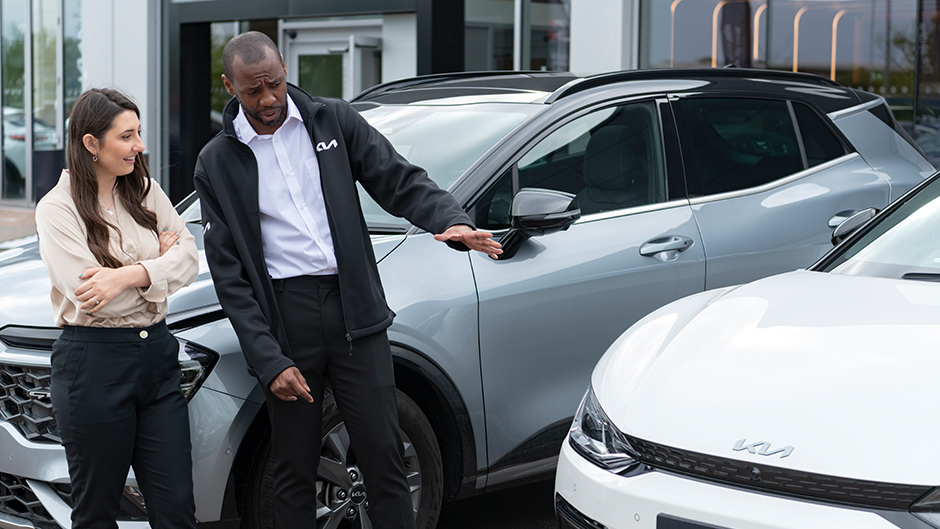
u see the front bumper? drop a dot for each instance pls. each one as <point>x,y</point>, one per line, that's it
<point>28,470</point>
<point>594,498</point>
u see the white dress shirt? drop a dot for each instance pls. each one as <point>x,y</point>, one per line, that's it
<point>294,226</point>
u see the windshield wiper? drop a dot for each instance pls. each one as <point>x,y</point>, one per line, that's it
<point>922,276</point>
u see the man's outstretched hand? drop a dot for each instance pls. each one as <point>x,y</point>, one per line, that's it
<point>480,241</point>
<point>289,385</point>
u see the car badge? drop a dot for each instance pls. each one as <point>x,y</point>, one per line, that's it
<point>765,449</point>
<point>39,393</point>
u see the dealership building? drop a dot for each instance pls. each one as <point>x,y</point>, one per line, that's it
<point>166,54</point>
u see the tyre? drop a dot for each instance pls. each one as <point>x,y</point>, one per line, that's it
<point>337,475</point>
<point>13,184</point>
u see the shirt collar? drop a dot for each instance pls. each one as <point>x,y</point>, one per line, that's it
<point>246,132</point>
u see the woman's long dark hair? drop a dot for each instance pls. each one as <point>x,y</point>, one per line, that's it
<point>94,113</point>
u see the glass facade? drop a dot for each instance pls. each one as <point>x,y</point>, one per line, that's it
<point>488,34</point>
<point>40,78</point>
<point>13,78</point>
<point>887,47</point>
<point>551,20</point>
<point>221,33</point>
<point>870,45</point>
<point>490,28</point>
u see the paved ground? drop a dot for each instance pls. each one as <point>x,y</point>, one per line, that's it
<point>16,223</point>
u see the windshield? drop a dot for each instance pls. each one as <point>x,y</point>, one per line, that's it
<point>903,245</point>
<point>443,139</point>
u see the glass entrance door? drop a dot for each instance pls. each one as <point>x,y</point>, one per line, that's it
<point>333,58</point>
<point>320,73</point>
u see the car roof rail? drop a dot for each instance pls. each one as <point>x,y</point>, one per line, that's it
<point>593,81</point>
<point>412,82</point>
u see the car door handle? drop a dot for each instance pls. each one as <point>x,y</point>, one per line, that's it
<point>840,217</point>
<point>666,248</point>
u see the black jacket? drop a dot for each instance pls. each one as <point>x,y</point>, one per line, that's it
<point>226,179</point>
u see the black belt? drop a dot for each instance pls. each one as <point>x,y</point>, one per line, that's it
<point>305,282</point>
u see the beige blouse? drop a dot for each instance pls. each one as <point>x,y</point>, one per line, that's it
<point>63,245</point>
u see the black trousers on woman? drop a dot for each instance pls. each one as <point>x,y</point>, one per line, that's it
<point>363,383</point>
<point>117,402</point>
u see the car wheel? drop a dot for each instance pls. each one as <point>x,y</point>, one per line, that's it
<point>13,185</point>
<point>338,474</point>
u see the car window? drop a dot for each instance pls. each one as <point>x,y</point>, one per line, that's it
<point>741,143</point>
<point>189,209</point>
<point>819,142</point>
<point>610,159</point>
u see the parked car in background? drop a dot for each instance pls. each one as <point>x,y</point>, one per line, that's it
<point>780,403</point>
<point>14,148</point>
<point>614,195</point>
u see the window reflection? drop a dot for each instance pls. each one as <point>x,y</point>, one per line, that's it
<point>488,35</point>
<point>72,52</point>
<point>870,45</point>
<point>48,156</point>
<point>13,61</point>
<point>550,34</point>
<point>490,28</point>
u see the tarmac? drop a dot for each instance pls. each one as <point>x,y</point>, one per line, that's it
<point>16,223</point>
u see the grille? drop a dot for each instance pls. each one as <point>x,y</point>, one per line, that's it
<point>17,498</point>
<point>777,480</point>
<point>25,402</point>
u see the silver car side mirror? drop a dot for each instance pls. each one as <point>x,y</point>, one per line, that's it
<point>537,212</point>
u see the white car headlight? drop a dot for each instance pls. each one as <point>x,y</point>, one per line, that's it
<point>594,437</point>
<point>195,365</point>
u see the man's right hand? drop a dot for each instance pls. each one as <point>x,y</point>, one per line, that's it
<point>289,385</point>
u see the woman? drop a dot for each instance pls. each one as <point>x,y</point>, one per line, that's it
<point>114,249</point>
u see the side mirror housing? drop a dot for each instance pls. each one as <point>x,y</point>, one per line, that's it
<point>537,212</point>
<point>851,224</point>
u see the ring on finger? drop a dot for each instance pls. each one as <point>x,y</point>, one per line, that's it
<point>96,301</point>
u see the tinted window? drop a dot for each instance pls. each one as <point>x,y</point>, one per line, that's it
<point>820,143</point>
<point>611,159</point>
<point>881,112</point>
<point>491,212</point>
<point>741,143</point>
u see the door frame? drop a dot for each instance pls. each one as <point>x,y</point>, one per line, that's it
<point>349,37</point>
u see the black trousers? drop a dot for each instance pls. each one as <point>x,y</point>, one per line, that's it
<point>117,402</point>
<point>363,383</point>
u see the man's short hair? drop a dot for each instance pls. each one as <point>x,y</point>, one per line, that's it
<point>251,47</point>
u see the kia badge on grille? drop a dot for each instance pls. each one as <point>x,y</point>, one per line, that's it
<point>765,449</point>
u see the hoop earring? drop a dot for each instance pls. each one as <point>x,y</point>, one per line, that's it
<point>94,158</point>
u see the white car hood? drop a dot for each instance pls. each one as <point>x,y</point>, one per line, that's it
<point>845,370</point>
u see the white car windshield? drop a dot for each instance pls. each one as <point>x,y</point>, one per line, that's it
<point>443,139</point>
<point>904,244</point>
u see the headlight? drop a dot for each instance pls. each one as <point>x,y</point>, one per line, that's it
<point>593,436</point>
<point>195,364</point>
<point>928,508</point>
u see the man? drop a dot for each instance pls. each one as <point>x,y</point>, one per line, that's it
<point>294,270</point>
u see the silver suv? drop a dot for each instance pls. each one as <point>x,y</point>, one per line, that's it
<point>613,194</point>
